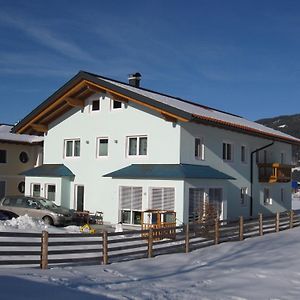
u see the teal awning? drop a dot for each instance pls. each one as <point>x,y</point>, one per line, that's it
<point>49,170</point>
<point>168,171</point>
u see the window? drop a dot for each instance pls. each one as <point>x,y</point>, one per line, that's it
<point>227,151</point>
<point>196,203</point>
<point>199,149</point>
<point>95,105</point>
<point>244,192</point>
<point>36,190</point>
<point>3,157</point>
<point>79,197</point>
<point>131,204</point>
<point>243,154</point>
<point>162,198</point>
<point>215,198</point>
<point>265,156</point>
<point>23,157</point>
<point>21,187</point>
<point>267,198</point>
<point>51,192</point>
<point>2,189</point>
<point>116,104</point>
<point>102,147</point>
<point>282,158</point>
<point>282,194</point>
<point>72,148</point>
<point>137,146</point>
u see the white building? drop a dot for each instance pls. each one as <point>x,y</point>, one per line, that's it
<point>18,152</point>
<point>121,149</point>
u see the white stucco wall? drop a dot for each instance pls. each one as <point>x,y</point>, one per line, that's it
<point>116,125</point>
<point>168,143</point>
<point>213,139</point>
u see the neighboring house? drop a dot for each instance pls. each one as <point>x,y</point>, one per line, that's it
<point>121,149</point>
<point>17,154</point>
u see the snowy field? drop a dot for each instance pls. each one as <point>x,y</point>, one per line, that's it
<point>265,267</point>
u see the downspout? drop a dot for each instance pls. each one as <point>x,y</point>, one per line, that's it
<point>251,174</point>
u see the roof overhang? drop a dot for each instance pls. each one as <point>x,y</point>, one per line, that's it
<point>243,129</point>
<point>168,172</point>
<point>49,170</point>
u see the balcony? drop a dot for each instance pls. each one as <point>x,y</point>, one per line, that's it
<point>274,172</point>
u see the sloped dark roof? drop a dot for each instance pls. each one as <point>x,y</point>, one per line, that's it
<point>168,171</point>
<point>49,170</point>
<point>188,111</point>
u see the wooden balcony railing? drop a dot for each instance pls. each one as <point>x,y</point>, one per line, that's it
<point>274,172</point>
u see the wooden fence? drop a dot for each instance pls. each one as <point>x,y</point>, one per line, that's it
<point>50,249</point>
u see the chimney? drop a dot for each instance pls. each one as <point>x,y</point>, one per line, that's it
<point>134,79</point>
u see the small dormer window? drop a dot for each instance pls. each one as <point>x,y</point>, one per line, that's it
<point>116,104</point>
<point>95,105</point>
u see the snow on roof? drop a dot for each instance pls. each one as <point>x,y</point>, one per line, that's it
<point>203,112</point>
<point>6,135</point>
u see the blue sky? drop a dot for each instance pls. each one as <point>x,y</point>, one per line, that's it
<point>239,56</point>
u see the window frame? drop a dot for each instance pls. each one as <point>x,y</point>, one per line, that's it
<point>47,191</point>
<point>32,189</point>
<point>73,148</point>
<point>112,108</point>
<point>138,137</point>
<point>163,203</point>
<point>243,196</point>
<point>131,210</point>
<point>282,194</point>
<point>4,151</point>
<point>225,153</point>
<point>199,152</point>
<point>267,196</point>
<point>244,156</point>
<point>98,147</point>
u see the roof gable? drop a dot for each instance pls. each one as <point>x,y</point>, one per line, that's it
<point>83,85</point>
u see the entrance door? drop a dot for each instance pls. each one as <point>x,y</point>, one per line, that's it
<point>80,197</point>
<point>2,189</point>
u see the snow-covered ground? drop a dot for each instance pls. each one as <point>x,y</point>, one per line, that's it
<point>265,267</point>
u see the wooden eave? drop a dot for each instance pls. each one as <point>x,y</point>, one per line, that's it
<point>74,97</point>
<point>242,129</point>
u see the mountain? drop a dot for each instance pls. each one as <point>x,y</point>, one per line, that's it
<point>287,124</point>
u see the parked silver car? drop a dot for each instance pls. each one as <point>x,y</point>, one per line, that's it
<point>37,207</point>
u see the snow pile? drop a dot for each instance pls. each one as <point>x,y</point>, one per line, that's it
<point>259,268</point>
<point>28,224</point>
<point>23,223</point>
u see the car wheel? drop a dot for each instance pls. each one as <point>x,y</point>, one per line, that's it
<point>48,220</point>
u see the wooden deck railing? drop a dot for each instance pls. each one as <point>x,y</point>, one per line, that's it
<point>274,172</point>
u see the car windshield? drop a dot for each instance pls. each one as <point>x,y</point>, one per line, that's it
<point>47,204</point>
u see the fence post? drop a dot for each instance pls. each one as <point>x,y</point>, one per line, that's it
<point>291,218</point>
<point>217,232</point>
<point>105,247</point>
<point>241,228</point>
<point>44,250</point>
<point>260,223</point>
<point>187,238</point>
<point>277,222</point>
<point>150,243</point>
